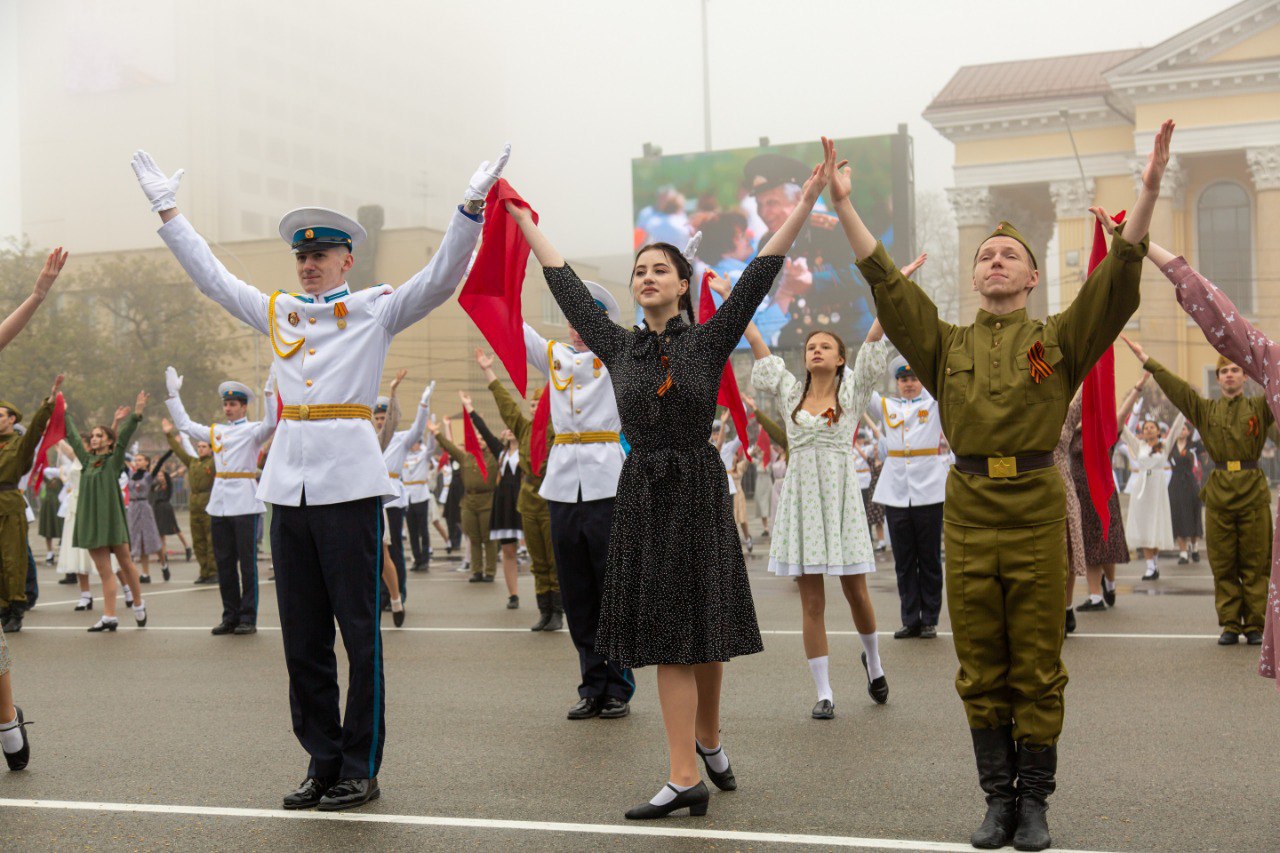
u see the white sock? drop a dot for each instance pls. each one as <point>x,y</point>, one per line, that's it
<point>140,610</point>
<point>11,735</point>
<point>396,605</point>
<point>715,758</point>
<point>871,645</point>
<point>1108,584</point>
<point>86,597</point>
<point>1151,564</point>
<point>1095,599</point>
<point>107,620</point>
<point>1182,554</point>
<point>666,795</point>
<point>821,677</point>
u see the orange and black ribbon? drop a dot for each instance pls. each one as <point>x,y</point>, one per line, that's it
<point>1040,368</point>
<point>668,382</point>
<point>831,415</point>
<point>1255,428</point>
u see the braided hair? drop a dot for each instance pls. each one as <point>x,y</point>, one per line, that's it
<point>808,375</point>
<point>684,271</point>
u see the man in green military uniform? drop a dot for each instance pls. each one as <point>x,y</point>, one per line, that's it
<point>1237,498</point>
<point>535,517</point>
<point>17,453</point>
<point>200,476</point>
<point>1005,383</point>
<point>477,501</point>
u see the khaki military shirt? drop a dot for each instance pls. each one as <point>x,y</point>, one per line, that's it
<point>1233,430</point>
<point>522,428</point>
<point>17,453</point>
<point>991,405</point>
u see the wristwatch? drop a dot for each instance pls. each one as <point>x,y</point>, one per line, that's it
<point>474,206</point>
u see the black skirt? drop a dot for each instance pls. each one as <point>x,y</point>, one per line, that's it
<point>166,521</point>
<point>504,521</point>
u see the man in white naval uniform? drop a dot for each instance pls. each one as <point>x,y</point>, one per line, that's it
<point>911,489</point>
<point>234,509</point>
<point>416,481</point>
<point>579,487</point>
<point>393,457</point>
<point>325,475</point>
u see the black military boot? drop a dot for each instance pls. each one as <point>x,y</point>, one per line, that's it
<point>544,608</point>
<point>1036,769</point>
<point>556,622</point>
<point>997,757</point>
<point>13,624</point>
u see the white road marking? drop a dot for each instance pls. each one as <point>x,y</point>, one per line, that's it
<point>649,831</point>
<point>146,594</point>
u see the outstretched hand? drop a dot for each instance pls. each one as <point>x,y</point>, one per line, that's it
<point>172,381</point>
<point>122,412</point>
<point>483,359</point>
<point>719,284</point>
<point>1158,161</point>
<point>1108,224</point>
<point>466,403</point>
<point>817,181</point>
<point>1137,349</point>
<point>161,191</point>
<point>486,176</point>
<point>838,174</point>
<point>52,266</point>
<point>141,402</point>
<point>910,268</point>
<point>691,248</point>
<point>166,426</point>
<point>57,383</point>
<point>433,426</point>
<point>400,375</point>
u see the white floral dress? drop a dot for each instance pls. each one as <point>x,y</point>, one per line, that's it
<point>820,525</point>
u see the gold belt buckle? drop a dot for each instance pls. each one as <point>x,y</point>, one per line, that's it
<point>1002,467</point>
<point>304,412</point>
<point>1233,465</point>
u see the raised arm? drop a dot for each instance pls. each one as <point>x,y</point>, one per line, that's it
<point>508,408</point>
<point>17,321</point>
<point>1158,161</point>
<point>75,442</point>
<point>1179,392</point>
<point>868,371</point>
<point>723,287</point>
<point>173,384</point>
<point>418,427</point>
<point>159,463</point>
<point>773,429</point>
<point>265,427</point>
<point>486,435</point>
<point>1172,435</point>
<point>175,443</point>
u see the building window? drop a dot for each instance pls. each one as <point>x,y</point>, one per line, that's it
<point>1225,240</point>
<point>551,313</point>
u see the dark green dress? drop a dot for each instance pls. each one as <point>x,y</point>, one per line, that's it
<point>100,518</point>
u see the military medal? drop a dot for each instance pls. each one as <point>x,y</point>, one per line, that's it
<point>293,318</point>
<point>340,311</point>
<point>596,364</point>
<point>555,365</point>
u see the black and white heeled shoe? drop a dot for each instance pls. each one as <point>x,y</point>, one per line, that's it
<point>103,625</point>
<point>19,760</point>
<point>85,605</point>
<point>725,781</point>
<point>695,799</point>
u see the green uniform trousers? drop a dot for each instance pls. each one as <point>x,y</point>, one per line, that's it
<point>1006,593</point>
<point>535,517</point>
<point>13,558</point>
<point>475,524</point>
<point>202,542</point>
<point>1239,546</point>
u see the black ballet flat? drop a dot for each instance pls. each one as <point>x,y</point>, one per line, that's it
<point>877,689</point>
<point>695,800</point>
<point>397,616</point>
<point>145,579</point>
<point>85,605</point>
<point>18,760</point>
<point>724,781</point>
<point>1108,595</point>
<point>824,710</point>
<point>102,625</point>
<point>164,570</point>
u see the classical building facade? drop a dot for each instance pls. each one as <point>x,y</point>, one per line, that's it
<point>1040,141</point>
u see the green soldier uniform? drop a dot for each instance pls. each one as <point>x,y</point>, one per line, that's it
<point>1236,497</point>
<point>17,453</point>
<point>776,432</point>
<point>1004,384</point>
<point>200,476</point>
<point>535,517</point>
<point>477,507</point>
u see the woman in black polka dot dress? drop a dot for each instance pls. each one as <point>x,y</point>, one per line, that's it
<point>676,592</point>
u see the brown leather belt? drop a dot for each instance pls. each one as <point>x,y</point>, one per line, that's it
<point>1239,465</point>
<point>1003,467</point>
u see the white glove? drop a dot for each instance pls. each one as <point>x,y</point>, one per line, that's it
<point>691,248</point>
<point>486,176</point>
<point>172,381</point>
<point>269,389</point>
<point>426,395</point>
<point>160,191</point>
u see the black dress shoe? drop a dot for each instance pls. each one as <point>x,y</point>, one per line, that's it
<point>164,571</point>
<point>824,710</point>
<point>1071,621</point>
<point>224,628</point>
<point>1195,556</point>
<point>476,577</point>
<point>145,579</point>
<point>13,624</point>
<point>348,794</point>
<point>489,578</point>
<point>188,555</point>
<point>103,625</point>
<point>928,632</point>
<point>1182,561</point>
<point>1090,606</point>
<point>69,578</point>
<point>906,632</point>
<point>587,707</point>
<point>245,628</point>
<point>725,781</point>
<point>695,800</point>
<point>84,605</point>
<point>397,617</point>
<point>877,688</point>
<point>1228,638</point>
<point>18,760</point>
<point>513,602</point>
<point>1108,594</point>
<point>308,795</point>
<point>1253,637</point>
<point>613,708</point>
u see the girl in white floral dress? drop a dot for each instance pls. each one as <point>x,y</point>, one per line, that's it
<point>820,525</point>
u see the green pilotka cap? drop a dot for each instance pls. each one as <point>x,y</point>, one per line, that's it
<point>17,414</point>
<point>1006,229</point>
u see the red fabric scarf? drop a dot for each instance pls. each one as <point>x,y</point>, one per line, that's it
<point>538,437</point>
<point>491,296</point>
<point>1098,416</point>
<point>765,445</point>
<point>471,442</point>
<point>56,431</point>
<point>729,395</point>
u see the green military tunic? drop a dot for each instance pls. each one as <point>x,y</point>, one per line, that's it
<point>1237,500</point>
<point>477,505</point>
<point>50,523</point>
<point>17,452</point>
<point>1006,535</point>
<point>100,515</point>
<point>200,477</point>
<point>535,517</point>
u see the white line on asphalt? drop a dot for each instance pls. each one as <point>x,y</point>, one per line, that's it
<point>828,841</point>
<point>445,630</point>
<point>145,595</point>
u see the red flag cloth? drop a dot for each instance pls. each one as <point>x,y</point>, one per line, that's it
<point>471,442</point>
<point>1098,415</point>
<point>53,433</point>
<point>443,461</point>
<point>491,296</point>
<point>765,445</point>
<point>538,437</point>
<point>729,395</point>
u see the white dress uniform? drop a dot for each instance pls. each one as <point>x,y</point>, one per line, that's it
<point>395,455</point>
<point>236,447</point>
<point>332,359</point>
<point>416,477</point>
<point>914,474</point>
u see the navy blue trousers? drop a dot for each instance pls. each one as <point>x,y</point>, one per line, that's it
<point>235,552</point>
<point>580,540</point>
<point>915,534</point>
<point>328,562</point>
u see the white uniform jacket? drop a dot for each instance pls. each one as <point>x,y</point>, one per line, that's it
<point>236,447</point>
<point>397,450</point>
<point>581,401</point>
<point>910,426</point>
<point>416,476</point>
<point>322,357</point>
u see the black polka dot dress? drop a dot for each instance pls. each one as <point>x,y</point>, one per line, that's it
<point>676,588</point>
